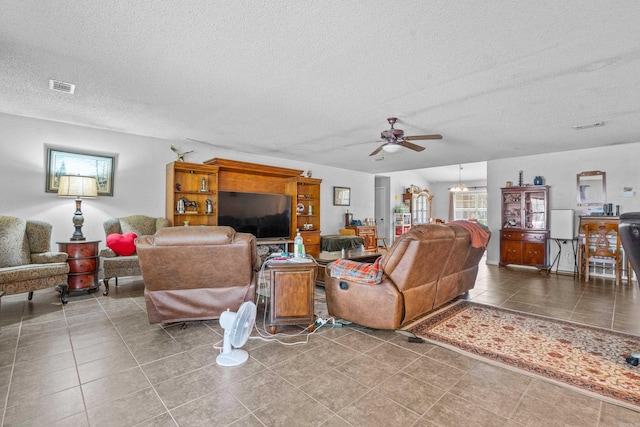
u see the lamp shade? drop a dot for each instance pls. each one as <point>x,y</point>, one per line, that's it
<point>77,186</point>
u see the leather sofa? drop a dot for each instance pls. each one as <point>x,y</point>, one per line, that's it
<point>27,263</point>
<point>196,273</point>
<point>425,268</point>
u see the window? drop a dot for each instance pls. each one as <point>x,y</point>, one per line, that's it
<point>470,204</point>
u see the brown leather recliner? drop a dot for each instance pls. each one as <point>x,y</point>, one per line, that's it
<point>425,268</point>
<point>196,273</point>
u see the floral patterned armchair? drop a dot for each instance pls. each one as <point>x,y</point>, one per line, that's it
<point>115,265</point>
<point>26,262</point>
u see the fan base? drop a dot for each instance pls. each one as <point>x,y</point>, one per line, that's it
<point>233,358</point>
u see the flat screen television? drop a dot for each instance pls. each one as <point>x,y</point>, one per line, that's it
<point>265,215</point>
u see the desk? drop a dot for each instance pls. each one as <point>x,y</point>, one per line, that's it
<point>337,242</point>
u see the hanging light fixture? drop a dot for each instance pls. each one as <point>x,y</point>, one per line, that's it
<point>460,186</point>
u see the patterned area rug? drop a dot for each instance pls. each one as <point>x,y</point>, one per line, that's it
<point>587,358</point>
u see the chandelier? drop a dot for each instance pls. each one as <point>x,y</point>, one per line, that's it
<point>460,186</point>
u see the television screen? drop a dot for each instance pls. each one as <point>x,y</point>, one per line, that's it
<point>264,215</point>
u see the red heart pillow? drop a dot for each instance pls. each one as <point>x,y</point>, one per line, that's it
<point>122,244</point>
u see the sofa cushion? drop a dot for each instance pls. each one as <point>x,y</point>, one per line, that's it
<point>14,247</point>
<point>122,244</point>
<point>21,273</point>
<point>361,272</point>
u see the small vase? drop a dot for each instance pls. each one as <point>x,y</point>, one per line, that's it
<point>537,180</point>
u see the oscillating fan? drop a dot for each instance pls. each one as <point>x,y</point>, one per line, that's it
<point>237,327</point>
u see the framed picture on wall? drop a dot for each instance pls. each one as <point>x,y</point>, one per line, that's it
<point>64,162</point>
<point>341,196</point>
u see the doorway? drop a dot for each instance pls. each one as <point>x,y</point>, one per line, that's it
<point>382,207</point>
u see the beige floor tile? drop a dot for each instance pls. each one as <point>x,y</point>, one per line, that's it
<point>343,376</point>
<point>374,409</point>
<point>454,411</point>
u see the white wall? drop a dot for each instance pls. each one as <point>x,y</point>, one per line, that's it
<point>140,177</point>
<point>560,171</point>
<point>139,186</point>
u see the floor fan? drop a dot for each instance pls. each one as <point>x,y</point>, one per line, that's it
<point>237,327</point>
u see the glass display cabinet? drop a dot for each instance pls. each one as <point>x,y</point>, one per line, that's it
<point>525,226</point>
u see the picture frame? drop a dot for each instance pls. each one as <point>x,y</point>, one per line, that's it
<point>65,162</point>
<point>341,196</point>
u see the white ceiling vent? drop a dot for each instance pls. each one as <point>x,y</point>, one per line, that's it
<point>61,86</point>
<point>589,125</point>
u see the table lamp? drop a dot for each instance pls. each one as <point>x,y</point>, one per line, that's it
<point>79,187</point>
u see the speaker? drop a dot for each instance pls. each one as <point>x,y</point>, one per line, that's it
<point>561,226</point>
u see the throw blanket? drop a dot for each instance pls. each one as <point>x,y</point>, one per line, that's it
<point>361,272</point>
<point>479,237</point>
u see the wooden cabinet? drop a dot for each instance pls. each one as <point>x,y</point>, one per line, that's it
<point>369,234</point>
<point>308,213</point>
<point>190,187</point>
<point>291,288</point>
<point>197,184</point>
<point>525,226</point>
<point>84,264</point>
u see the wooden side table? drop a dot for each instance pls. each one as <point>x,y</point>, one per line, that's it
<point>84,264</point>
<point>291,288</point>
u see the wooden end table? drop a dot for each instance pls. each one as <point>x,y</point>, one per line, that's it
<point>84,264</point>
<point>291,289</point>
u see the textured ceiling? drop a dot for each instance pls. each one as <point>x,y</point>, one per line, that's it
<point>316,80</point>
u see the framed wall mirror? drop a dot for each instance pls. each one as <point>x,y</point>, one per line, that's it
<point>592,188</point>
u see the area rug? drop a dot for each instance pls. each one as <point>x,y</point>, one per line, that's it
<point>586,358</point>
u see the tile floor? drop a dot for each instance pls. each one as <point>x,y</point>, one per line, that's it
<point>97,361</point>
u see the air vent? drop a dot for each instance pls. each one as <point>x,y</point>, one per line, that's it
<point>61,86</point>
<point>589,125</point>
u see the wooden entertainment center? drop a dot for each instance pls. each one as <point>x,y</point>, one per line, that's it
<point>201,182</point>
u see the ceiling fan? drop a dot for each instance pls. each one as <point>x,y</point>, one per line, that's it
<point>395,139</point>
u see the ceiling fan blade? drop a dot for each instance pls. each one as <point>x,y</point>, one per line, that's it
<point>422,137</point>
<point>412,146</point>
<point>377,150</point>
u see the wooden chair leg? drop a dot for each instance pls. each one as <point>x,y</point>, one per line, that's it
<point>106,286</point>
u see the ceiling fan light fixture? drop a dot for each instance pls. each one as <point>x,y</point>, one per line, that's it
<point>392,148</point>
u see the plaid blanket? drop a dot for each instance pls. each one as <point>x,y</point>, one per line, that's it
<point>361,272</point>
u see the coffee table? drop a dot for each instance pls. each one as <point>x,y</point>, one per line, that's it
<point>359,255</point>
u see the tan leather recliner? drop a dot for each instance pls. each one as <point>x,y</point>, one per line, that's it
<point>425,268</point>
<point>196,273</point>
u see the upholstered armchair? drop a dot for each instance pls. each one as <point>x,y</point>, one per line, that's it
<point>26,262</point>
<point>115,265</point>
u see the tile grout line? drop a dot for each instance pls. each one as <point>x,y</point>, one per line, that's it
<point>13,367</point>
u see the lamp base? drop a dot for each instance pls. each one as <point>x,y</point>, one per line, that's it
<point>78,221</point>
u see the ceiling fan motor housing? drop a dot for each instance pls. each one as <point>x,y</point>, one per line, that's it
<point>392,134</point>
